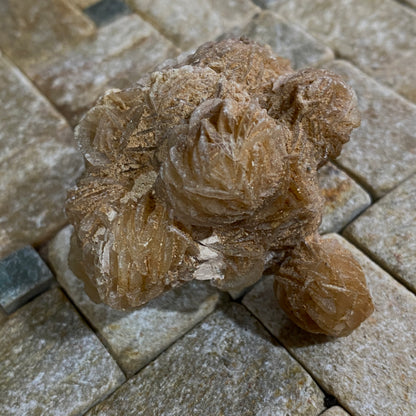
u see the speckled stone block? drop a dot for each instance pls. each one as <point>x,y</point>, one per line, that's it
<point>387,231</point>
<point>38,163</point>
<point>51,362</point>
<point>373,370</point>
<point>191,23</point>
<point>335,411</point>
<point>366,33</point>
<point>105,11</point>
<point>119,54</point>
<point>228,365</point>
<point>35,31</point>
<point>135,338</point>
<point>286,40</point>
<point>344,198</point>
<point>382,151</point>
<point>23,275</point>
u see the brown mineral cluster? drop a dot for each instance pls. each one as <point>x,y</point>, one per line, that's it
<point>207,169</point>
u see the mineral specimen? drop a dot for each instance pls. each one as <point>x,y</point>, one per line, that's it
<point>207,169</point>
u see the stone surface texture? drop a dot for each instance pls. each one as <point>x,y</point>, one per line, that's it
<point>370,372</point>
<point>35,31</point>
<point>23,275</point>
<point>335,411</point>
<point>116,57</point>
<point>344,198</point>
<point>286,40</point>
<point>382,151</point>
<point>228,365</point>
<point>38,163</point>
<point>387,232</point>
<point>189,24</point>
<point>51,363</point>
<point>364,32</point>
<point>135,338</point>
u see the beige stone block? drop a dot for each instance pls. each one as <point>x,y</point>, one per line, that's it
<point>35,31</point>
<point>228,365</point>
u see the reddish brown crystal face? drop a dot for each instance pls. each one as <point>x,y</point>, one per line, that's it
<point>206,169</point>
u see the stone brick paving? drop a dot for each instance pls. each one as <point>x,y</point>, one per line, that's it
<point>194,350</point>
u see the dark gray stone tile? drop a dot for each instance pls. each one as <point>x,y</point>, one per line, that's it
<point>106,11</point>
<point>23,275</point>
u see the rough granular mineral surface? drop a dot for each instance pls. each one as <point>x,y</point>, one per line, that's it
<point>207,169</point>
<point>136,337</point>
<point>229,366</point>
<point>370,372</point>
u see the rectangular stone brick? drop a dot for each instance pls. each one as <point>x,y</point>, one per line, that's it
<point>387,232</point>
<point>228,365</point>
<point>38,163</point>
<point>382,151</point>
<point>286,40</point>
<point>115,58</point>
<point>376,35</point>
<point>35,31</point>
<point>373,370</point>
<point>344,198</point>
<point>191,23</point>
<point>51,362</point>
<point>23,275</point>
<point>137,337</point>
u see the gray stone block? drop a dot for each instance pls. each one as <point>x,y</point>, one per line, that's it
<point>344,198</point>
<point>376,35</point>
<point>382,151</point>
<point>137,337</point>
<point>33,32</point>
<point>38,163</point>
<point>51,362</point>
<point>23,275</point>
<point>190,23</point>
<point>387,232</point>
<point>373,370</point>
<point>228,365</point>
<point>116,57</point>
<point>286,40</point>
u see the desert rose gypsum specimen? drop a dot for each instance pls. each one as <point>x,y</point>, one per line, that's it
<point>207,169</point>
